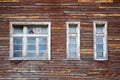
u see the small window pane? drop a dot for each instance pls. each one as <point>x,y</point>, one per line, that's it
<point>30,54</point>
<point>99,40</point>
<point>72,55</point>
<point>30,30</point>
<point>17,47</point>
<point>99,54</point>
<point>72,40</point>
<point>44,30</point>
<point>99,47</point>
<point>99,29</point>
<point>72,48</point>
<point>42,55</point>
<point>18,30</point>
<point>42,40</point>
<point>17,54</point>
<point>72,29</point>
<point>31,40</point>
<point>42,47</point>
<point>38,30</point>
<point>31,47</point>
<point>17,40</point>
<point>100,25</point>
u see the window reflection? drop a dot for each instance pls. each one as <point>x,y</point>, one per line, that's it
<point>30,54</point>
<point>44,30</point>
<point>99,40</point>
<point>43,40</point>
<point>17,40</point>
<point>17,54</point>
<point>99,47</point>
<point>72,55</point>
<point>72,40</point>
<point>72,47</point>
<point>99,54</point>
<point>18,29</point>
<point>30,30</point>
<point>43,54</point>
<point>72,29</point>
<point>37,30</point>
<point>31,40</point>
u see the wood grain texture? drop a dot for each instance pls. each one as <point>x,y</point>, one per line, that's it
<point>9,0</point>
<point>58,12</point>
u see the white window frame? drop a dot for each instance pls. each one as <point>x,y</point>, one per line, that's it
<point>78,40</point>
<point>105,52</point>
<point>24,40</point>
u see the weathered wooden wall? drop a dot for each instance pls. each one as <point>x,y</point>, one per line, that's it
<point>58,12</point>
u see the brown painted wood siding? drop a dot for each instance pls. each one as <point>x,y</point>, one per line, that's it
<point>58,12</point>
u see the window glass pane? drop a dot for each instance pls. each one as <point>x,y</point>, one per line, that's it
<point>42,44</point>
<point>31,40</point>
<point>43,54</point>
<point>37,29</point>
<point>100,25</point>
<point>30,54</point>
<point>42,47</point>
<point>31,44</point>
<point>18,30</point>
<point>99,29</point>
<point>17,40</point>
<point>31,47</point>
<point>72,48</point>
<point>99,40</point>
<point>99,54</point>
<point>43,40</point>
<point>30,30</point>
<point>72,55</point>
<point>99,47</point>
<point>17,54</point>
<point>72,29</point>
<point>44,30</point>
<point>17,47</point>
<point>72,40</point>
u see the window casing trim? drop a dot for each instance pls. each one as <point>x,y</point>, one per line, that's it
<point>105,53</point>
<point>29,35</point>
<point>78,40</point>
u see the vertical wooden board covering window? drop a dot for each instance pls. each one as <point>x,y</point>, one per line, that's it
<point>100,40</point>
<point>73,40</point>
<point>30,40</point>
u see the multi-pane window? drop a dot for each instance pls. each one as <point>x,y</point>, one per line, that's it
<point>73,40</point>
<point>100,40</point>
<point>30,40</point>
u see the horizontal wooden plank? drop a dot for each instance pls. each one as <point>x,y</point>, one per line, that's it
<point>103,1</point>
<point>9,0</point>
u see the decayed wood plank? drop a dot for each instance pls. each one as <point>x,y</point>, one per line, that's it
<point>105,1</point>
<point>9,0</point>
<point>104,14</point>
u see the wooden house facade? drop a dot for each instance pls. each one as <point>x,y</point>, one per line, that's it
<point>59,39</point>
